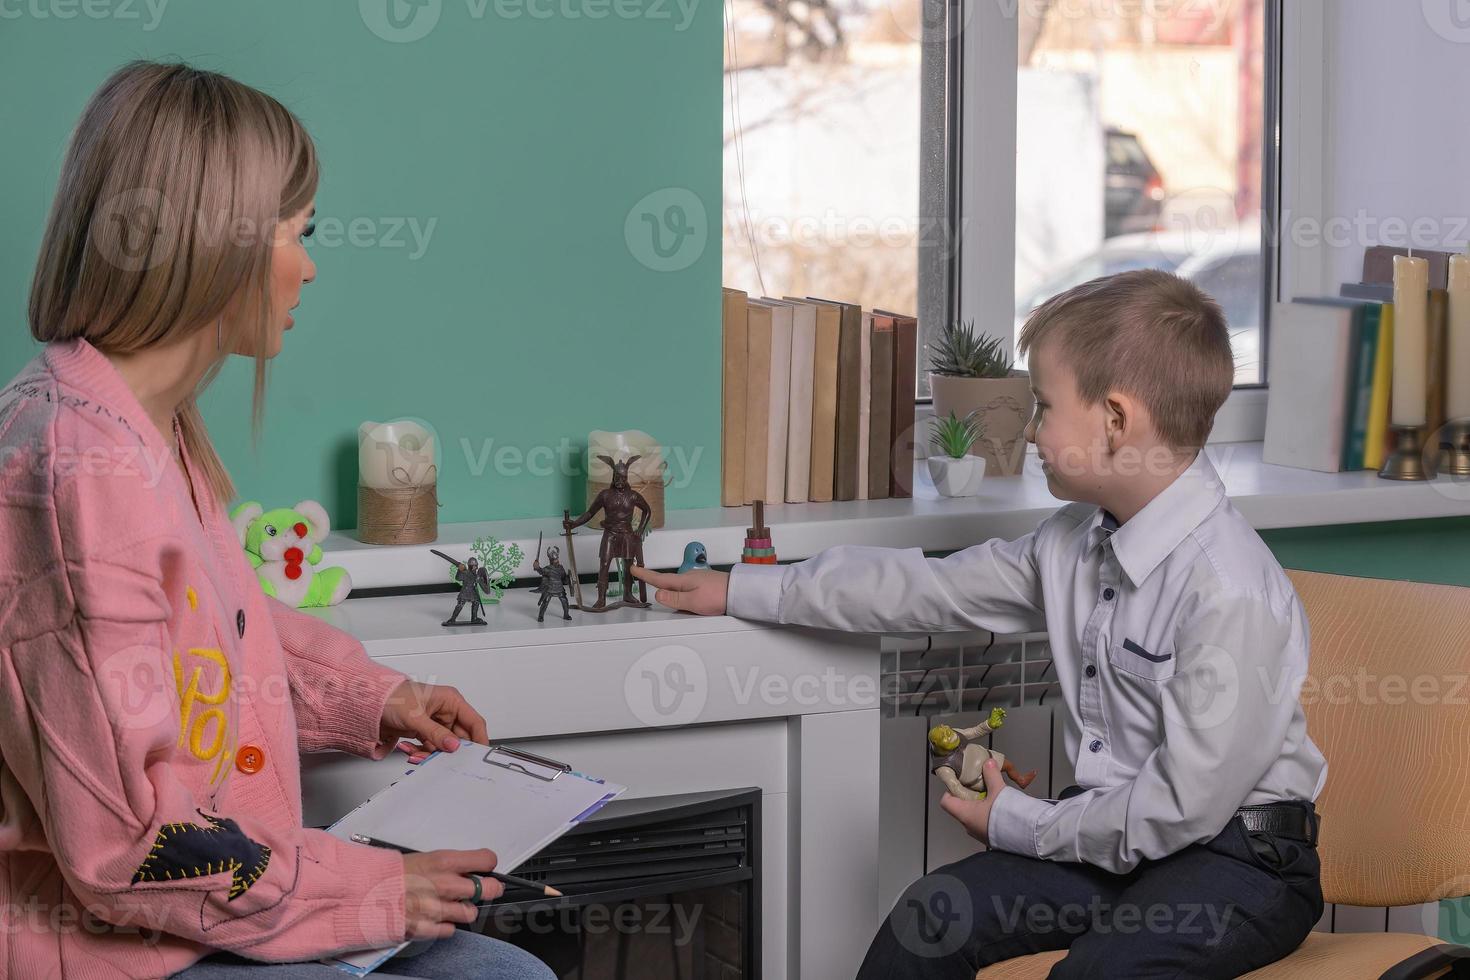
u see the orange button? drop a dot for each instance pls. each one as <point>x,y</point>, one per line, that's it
<point>250,759</point>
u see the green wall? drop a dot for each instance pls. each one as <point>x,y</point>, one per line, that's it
<point>519,137</point>
<point>1416,551</point>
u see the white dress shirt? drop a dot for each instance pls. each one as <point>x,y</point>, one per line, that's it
<point>1179,644</point>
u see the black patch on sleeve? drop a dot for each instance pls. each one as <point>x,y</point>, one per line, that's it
<point>187,850</point>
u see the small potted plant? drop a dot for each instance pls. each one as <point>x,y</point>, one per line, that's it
<point>954,470</point>
<point>971,372</point>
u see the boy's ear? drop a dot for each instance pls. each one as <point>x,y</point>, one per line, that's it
<point>1120,419</point>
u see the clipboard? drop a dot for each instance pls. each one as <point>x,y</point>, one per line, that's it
<point>507,799</point>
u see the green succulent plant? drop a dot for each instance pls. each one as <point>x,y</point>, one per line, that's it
<point>960,352</point>
<point>954,436</point>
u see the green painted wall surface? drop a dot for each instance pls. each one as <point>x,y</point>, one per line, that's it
<point>484,259</point>
<point>1416,551</point>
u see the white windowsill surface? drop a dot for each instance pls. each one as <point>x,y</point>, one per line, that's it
<point>1268,496</point>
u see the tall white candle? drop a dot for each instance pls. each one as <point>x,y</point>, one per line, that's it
<point>1410,340</point>
<point>1457,353</point>
<point>395,454</point>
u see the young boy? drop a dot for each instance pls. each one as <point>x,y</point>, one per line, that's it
<point>1187,847</point>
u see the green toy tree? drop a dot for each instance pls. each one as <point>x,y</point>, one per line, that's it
<point>499,561</point>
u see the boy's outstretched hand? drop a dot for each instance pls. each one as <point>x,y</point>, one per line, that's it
<point>701,591</point>
<point>974,815</point>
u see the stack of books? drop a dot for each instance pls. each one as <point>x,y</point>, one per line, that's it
<point>817,401</point>
<point>1331,369</point>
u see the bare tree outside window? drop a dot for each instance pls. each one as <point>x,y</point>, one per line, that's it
<point>826,99</point>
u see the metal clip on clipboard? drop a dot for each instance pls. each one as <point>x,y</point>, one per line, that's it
<point>520,758</point>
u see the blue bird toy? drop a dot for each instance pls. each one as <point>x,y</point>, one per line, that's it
<point>694,557</point>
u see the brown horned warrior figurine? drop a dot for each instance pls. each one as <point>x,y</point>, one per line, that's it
<point>619,502</point>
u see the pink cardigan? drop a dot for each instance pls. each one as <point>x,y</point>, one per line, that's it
<point>153,705</point>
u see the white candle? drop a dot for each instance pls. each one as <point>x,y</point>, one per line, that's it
<point>648,468</point>
<point>395,454</point>
<point>1410,340</point>
<point>1457,354</point>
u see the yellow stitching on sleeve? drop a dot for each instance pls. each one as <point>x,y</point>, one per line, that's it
<point>193,597</point>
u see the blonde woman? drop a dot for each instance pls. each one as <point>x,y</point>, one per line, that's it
<point>153,700</point>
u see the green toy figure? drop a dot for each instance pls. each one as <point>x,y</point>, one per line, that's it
<point>959,755</point>
<point>283,546</point>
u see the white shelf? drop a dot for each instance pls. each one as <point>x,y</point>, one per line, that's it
<point>404,625</point>
<point>1268,496</point>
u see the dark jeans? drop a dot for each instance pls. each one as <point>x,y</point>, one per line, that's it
<point>1218,909</point>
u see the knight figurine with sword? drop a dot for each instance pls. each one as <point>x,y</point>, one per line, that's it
<point>471,577</point>
<point>555,581</point>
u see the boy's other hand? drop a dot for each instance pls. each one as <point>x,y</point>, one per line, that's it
<point>701,592</point>
<point>974,815</point>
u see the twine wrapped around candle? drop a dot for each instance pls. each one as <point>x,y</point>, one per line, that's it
<point>397,474</point>
<point>405,513</point>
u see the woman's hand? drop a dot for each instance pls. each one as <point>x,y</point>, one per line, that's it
<point>701,591</point>
<point>437,715</point>
<point>436,893</point>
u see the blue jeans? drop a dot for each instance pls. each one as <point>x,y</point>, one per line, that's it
<point>1220,908</point>
<point>464,956</point>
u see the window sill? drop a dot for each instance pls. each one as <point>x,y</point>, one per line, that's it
<point>1268,496</point>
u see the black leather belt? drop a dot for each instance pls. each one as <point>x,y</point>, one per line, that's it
<point>1297,820</point>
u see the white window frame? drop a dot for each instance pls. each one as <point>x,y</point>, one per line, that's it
<point>988,179</point>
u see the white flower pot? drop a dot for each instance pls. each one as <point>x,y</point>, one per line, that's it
<point>956,477</point>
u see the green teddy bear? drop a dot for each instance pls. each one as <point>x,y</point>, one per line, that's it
<point>283,548</point>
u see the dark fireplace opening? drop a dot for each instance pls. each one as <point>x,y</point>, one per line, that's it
<point>661,888</point>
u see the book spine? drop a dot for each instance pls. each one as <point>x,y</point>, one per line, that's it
<point>780,405</point>
<point>849,356</point>
<point>1439,322</point>
<point>1375,451</point>
<point>865,405</point>
<point>880,443</point>
<point>757,401</point>
<point>905,342</point>
<point>824,406</point>
<point>732,398</point>
<point>799,420</point>
<point>1350,395</point>
<point>1363,392</point>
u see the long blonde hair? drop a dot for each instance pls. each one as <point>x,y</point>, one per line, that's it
<point>165,211</point>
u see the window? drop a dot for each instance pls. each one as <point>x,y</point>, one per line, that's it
<point>868,154</point>
<point>1140,134</point>
<point>821,154</point>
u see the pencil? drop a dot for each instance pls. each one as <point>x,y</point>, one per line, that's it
<point>499,876</point>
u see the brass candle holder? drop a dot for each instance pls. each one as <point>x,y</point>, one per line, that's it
<point>1454,454</point>
<point>1407,461</point>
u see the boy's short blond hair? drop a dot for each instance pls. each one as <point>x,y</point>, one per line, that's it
<point>1150,334</point>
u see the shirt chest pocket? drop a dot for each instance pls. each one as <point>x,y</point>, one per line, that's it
<point>1150,663</point>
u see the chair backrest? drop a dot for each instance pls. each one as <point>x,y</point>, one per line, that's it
<point>1387,700</point>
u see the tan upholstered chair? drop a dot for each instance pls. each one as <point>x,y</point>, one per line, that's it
<point>1396,807</point>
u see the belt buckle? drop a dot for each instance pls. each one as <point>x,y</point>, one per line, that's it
<point>1314,823</point>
